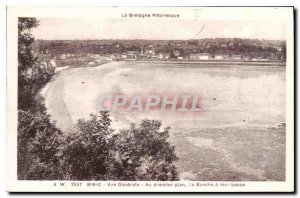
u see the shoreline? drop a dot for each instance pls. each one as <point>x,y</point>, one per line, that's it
<point>200,62</point>
<point>44,89</point>
<point>57,83</point>
<point>64,67</point>
<point>211,62</point>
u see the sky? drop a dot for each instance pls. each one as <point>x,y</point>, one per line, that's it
<point>120,28</point>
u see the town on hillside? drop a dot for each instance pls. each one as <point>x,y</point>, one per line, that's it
<point>59,53</point>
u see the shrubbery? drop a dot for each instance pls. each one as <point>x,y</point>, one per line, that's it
<point>85,152</point>
<point>142,153</point>
<point>38,141</point>
<point>92,151</point>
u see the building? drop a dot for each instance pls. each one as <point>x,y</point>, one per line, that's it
<point>131,57</point>
<point>149,51</point>
<point>246,58</point>
<point>273,57</point>
<point>236,57</point>
<point>221,57</point>
<point>117,56</point>
<point>105,58</point>
<point>123,56</point>
<point>164,55</point>
<point>153,56</point>
<point>53,62</point>
<point>264,59</point>
<point>204,56</point>
<point>279,49</point>
<point>199,56</point>
<point>176,53</point>
<point>63,56</point>
<point>130,52</point>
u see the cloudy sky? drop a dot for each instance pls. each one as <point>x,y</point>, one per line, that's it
<point>261,25</point>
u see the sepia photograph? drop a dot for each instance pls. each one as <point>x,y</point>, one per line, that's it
<point>154,99</point>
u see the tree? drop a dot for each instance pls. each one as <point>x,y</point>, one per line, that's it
<point>25,41</point>
<point>38,137</point>
<point>32,73</point>
<point>92,152</point>
<point>26,60</point>
<point>86,149</point>
<point>38,142</point>
<point>142,153</point>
